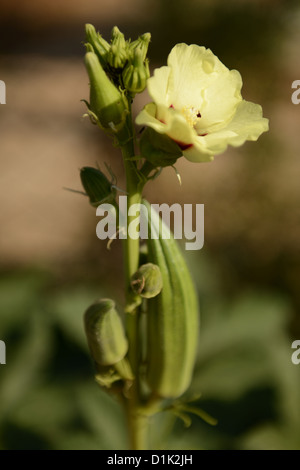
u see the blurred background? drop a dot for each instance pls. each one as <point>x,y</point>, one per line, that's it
<point>53,266</point>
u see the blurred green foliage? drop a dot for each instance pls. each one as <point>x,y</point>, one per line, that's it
<point>244,372</point>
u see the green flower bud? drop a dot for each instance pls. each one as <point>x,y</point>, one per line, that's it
<point>159,149</point>
<point>105,333</point>
<point>118,54</point>
<point>142,43</point>
<point>107,105</point>
<point>99,45</point>
<point>136,73</point>
<point>89,47</point>
<point>147,281</point>
<point>97,186</point>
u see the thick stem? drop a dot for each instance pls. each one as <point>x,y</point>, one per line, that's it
<point>132,245</point>
<point>136,422</point>
<point>138,430</point>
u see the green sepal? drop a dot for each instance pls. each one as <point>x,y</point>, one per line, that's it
<point>159,149</point>
<point>97,186</point>
<point>124,370</point>
<point>183,408</point>
<point>107,377</point>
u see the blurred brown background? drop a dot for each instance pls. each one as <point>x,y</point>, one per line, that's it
<point>251,194</point>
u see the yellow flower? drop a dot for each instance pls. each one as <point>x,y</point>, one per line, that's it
<point>197,102</point>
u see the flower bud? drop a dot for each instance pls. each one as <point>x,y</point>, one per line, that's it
<point>147,281</point>
<point>105,333</point>
<point>142,43</point>
<point>118,54</point>
<point>136,73</point>
<point>99,45</point>
<point>89,47</point>
<point>107,105</point>
<point>97,186</point>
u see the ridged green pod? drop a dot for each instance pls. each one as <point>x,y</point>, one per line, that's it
<point>105,333</point>
<point>172,318</point>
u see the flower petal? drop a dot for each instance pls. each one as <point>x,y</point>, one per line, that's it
<point>199,79</point>
<point>246,124</point>
<point>198,153</point>
<point>167,121</point>
<point>198,104</point>
<point>158,85</point>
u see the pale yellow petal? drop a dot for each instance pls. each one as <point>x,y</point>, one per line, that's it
<point>221,99</point>
<point>198,104</point>
<point>198,153</point>
<point>167,121</point>
<point>247,124</point>
<point>200,80</point>
<point>147,117</point>
<point>158,86</point>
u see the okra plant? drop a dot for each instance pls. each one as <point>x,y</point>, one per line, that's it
<point>145,358</point>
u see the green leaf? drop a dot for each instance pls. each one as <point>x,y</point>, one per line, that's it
<point>25,361</point>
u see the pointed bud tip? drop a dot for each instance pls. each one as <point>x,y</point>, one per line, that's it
<point>91,58</point>
<point>89,47</point>
<point>146,37</point>
<point>99,45</point>
<point>116,32</point>
<point>89,28</point>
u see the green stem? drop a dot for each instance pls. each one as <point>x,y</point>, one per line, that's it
<point>136,422</point>
<point>138,430</point>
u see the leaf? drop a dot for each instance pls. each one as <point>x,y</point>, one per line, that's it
<point>25,361</point>
<point>103,415</point>
<point>68,307</point>
<point>19,294</point>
